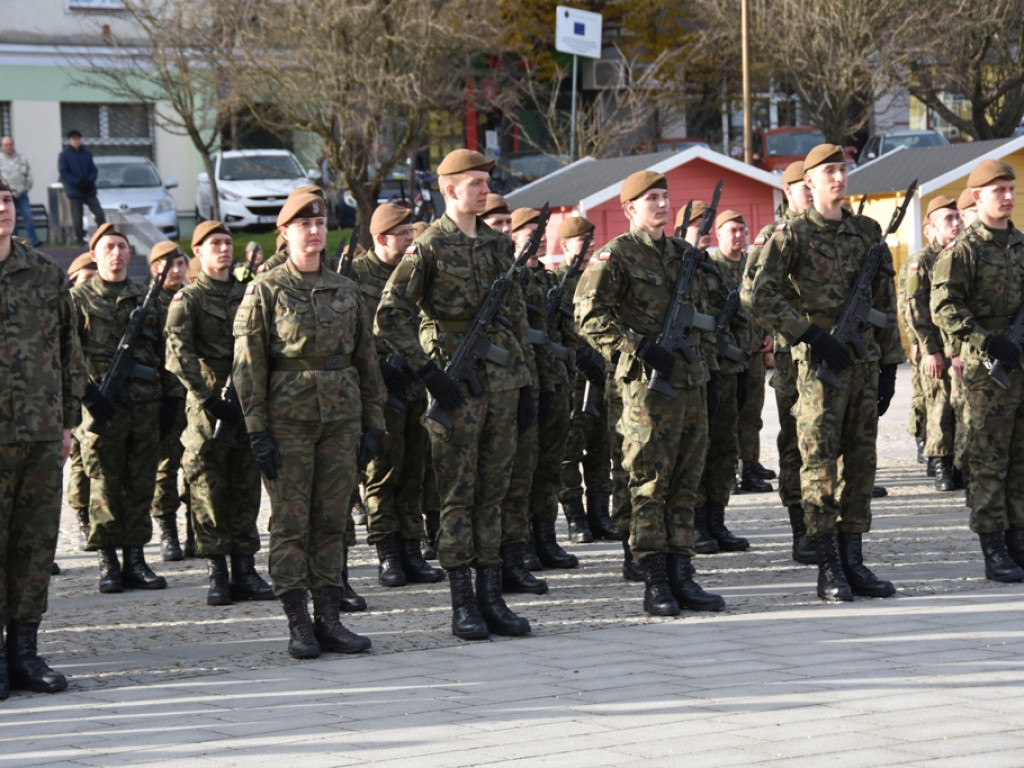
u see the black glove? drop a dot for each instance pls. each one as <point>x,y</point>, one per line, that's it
<point>221,410</point>
<point>368,447</point>
<point>394,379</point>
<point>590,365</point>
<point>656,356</point>
<point>265,450</point>
<point>545,407</point>
<point>1002,349</point>
<point>742,389</point>
<point>714,391</point>
<point>828,349</point>
<point>99,406</point>
<point>526,413</point>
<point>444,389</point>
<point>886,386</point>
<point>169,407</point>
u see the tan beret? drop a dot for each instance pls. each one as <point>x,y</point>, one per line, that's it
<point>523,216</point>
<point>638,183</point>
<point>462,160</point>
<point>966,200</point>
<point>252,245</point>
<point>574,226</point>
<point>987,171</point>
<point>697,209</point>
<point>102,231</point>
<point>419,227</point>
<point>82,261</point>
<point>728,215</point>
<point>309,189</point>
<point>794,173</point>
<point>304,206</point>
<point>495,204</point>
<point>824,153</point>
<point>206,228</point>
<point>387,217</point>
<point>163,249</point>
<point>940,201</point>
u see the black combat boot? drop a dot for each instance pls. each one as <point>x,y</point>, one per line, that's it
<point>328,630</point>
<point>417,571</point>
<point>999,566</point>
<point>467,623</point>
<point>687,592</point>
<point>763,471</point>
<point>751,481</point>
<point>879,492</point>
<point>631,568</point>
<point>302,642</point>
<point>599,518</point>
<point>190,550</point>
<point>803,550</point>
<point>944,474</point>
<point>170,549</point>
<point>55,569</point>
<point>220,589</point>
<point>1015,545</point>
<point>110,572</point>
<point>514,576</point>
<point>727,540</point>
<point>550,553</point>
<point>931,468</point>
<point>349,601</point>
<point>499,618</point>
<point>576,519</point>
<point>136,573</point>
<point>5,683</point>
<point>703,542</point>
<point>246,583</point>
<point>658,599</point>
<point>861,580</point>
<point>389,572</point>
<point>82,516</point>
<point>832,584</point>
<point>26,670</point>
<point>530,560</point>
<point>920,450</point>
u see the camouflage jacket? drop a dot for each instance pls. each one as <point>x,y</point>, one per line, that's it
<point>41,369</point>
<point>448,276</point>
<point>551,371</point>
<point>820,260</point>
<point>624,296</point>
<point>918,292</point>
<point>317,322</point>
<point>750,267</point>
<point>728,279</point>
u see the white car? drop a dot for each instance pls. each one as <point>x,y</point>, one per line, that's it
<point>128,184</point>
<point>252,185</point>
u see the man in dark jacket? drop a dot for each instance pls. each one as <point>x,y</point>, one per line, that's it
<point>78,174</point>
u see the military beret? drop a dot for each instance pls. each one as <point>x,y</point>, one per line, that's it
<point>940,201</point>
<point>574,226</point>
<point>794,173</point>
<point>309,189</point>
<point>304,206</point>
<point>206,228</point>
<point>462,160</point>
<point>523,216</point>
<point>726,216</point>
<point>638,183</point>
<point>966,200</point>
<point>987,171</point>
<point>164,249</point>
<point>419,227</point>
<point>824,153</point>
<point>82,261</point>
<point>495,204</point>
<point>697,209</point>
<point>252,245</point>
<point>387,217</point>
<point>102,231</point>
<point>195,266</point>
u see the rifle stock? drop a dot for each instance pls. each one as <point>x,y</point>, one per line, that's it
<point>1015,333</point>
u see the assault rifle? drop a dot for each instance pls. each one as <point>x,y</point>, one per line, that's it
<point>860,208</point>
<point>1015,333</point>
<point>118,378</point>
<point>345,262</point>
<point>682,318</point>
<point>395,360</point>
<point>858,310</point>
<point>730,311</point>
<point>590,391</point>
<point>556,294</point>
<point>475,345</point>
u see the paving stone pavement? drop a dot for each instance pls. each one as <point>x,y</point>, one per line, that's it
<point>933,676</point>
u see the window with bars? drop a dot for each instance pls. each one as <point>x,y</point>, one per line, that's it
<point>5,118</point>
<point>111,129</point>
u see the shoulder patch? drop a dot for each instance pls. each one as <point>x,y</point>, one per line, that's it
<point>250,289</point>
<point>410,250</point>
<point>178,296</point>
<point>780,226</point>
<point>950,245</point>
<point>604,255</point>
<point>913,266</point>
<point>261,269</point>
<point>759,240</point>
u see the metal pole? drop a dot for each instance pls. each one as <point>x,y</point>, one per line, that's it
<point>572,115</point>
<point>745,37</point>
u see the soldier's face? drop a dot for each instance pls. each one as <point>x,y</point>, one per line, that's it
<point>650,211</point>
<point>995,202</point>
<point>967,216</point>
<point>395,243</point>
<point>500,222</point>
<point>827,182</point>
<point>521,235</point>
<point>215,253</point>
<point>691,235</point>
<point>732,239</point>
<point>469,192</point>
<point>111,255</point>
<point>176,275</point>
<point>305,237</point>
<point>7,213</point>
<point>7,145</point>
<point>945,225</point>
<point>799,196</point>
<point>571,246</point>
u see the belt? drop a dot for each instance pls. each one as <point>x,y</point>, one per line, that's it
<point>821,321</point>
<point>215,364</point>
<point>994,323</point>
<point>315,363</point>
<point>453,326</point>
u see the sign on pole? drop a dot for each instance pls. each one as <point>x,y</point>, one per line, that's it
<point>578,32</point>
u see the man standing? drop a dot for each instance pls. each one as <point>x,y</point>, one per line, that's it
<point>78,175</point>
<point>978,288</point>
<point>42,376</point>
<point>15,170</point>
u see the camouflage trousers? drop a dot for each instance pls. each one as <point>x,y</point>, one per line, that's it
<point>940,424</point>
<point>547,475</point>
<point>587,444</point>
<point>749,424</point>
<point>832,424</point>
<point>77,494</point>
<point>309,502</point>
<point>622,502</point>
<point>393,481</point>
<point>664,442</point>
<point>166,498</point>
<point>784,383</point>
<point>30,475</point>
<point>961,413</point>
<point>473,464</point>
<point>723,448</point>
<point>515,507</point>
<point>996,449</point>
<point>916,425</point>
<point>122,475</point>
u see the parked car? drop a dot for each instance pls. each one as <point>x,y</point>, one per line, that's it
<point>881,143</point>
<point>252,185</point>
<point>776,148</point>
<point>129,184</point>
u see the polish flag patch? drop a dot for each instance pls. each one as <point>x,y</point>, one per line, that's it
<point>249,289</point>
<point>178,296</point>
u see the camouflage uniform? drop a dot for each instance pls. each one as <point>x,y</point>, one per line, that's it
<point>749,422</point>
<point>916,425</point>
<point>306,371</point>
<point>448,275</point>
<point>166,498</point>
<point>77,493</point>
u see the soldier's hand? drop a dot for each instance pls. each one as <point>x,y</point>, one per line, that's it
<point>368,447</point>
<point>526,412</point>
<point>99,406</point>
<point>265,450</point>
<point>828,348</point>
<point>742,389</point>
<point>886,386</point>
<point>444,389</point>
<point>656,356</point>
<point>169,407</point>
<point>1002,349</point>
<point>589,366</point>
<point>957,365</point>
<point>394,379</point>
<point>545,407</point>
<point>934,365</point>
<point>221,410</point>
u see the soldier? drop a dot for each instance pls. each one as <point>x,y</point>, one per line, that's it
<point>497,215</point>
<point>77,494</point>
<point>806,271</point>
<point>41,366</point>
<point>621,303</point>
<point>122,466</point>
<point>222,475</point>
<point>449,275</point>
<point>916,425</point>
<point>307,378</point>
<point>977,289</point>
<point>394,478</point>
<point>253,255</point>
